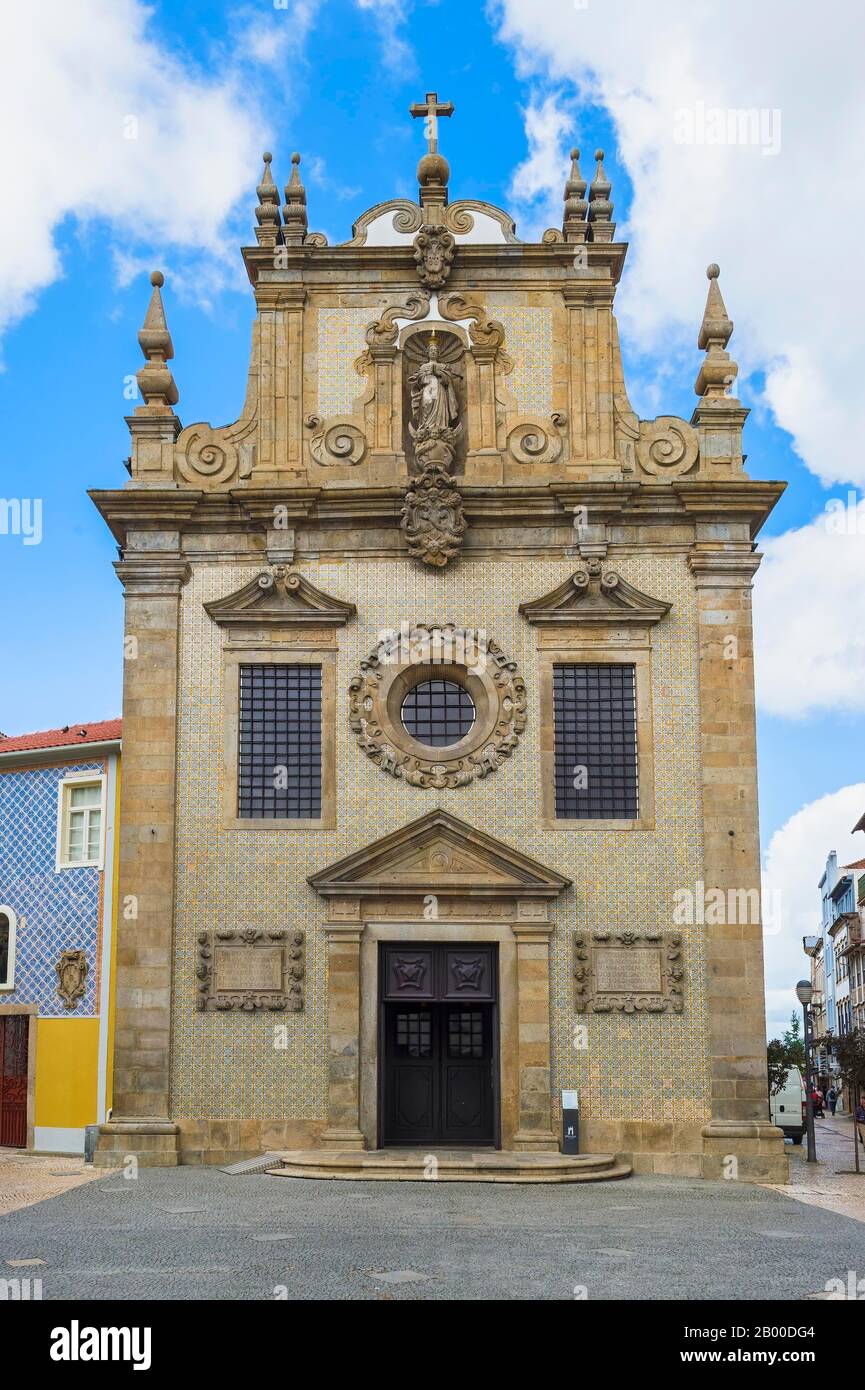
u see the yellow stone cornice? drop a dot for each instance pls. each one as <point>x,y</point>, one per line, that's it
<point>743,501</point>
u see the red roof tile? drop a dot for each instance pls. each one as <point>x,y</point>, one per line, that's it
<point>101,732</point>
<point>857,864</point>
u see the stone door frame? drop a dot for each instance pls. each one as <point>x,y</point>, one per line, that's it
<point>525,1070</point>
<point>438,879</point>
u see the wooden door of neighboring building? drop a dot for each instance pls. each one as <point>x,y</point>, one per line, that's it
<point>13,1080</point>
<point>439,1053</point>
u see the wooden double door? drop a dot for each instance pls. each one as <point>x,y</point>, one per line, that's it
<point>14,1030</point>
<point>438,1038</point>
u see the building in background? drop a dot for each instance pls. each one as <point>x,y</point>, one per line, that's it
<point>58,810</point>
<point>857,955</point>
<point>837,960</point>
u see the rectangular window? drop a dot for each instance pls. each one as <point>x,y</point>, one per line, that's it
<point>595,718</point>
<point>279,742</point>
<point>81,819</point>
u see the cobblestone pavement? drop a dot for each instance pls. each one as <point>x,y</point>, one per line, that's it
<point>829,1183</point>
<point>29,1178</point>
<point>196,1233</point>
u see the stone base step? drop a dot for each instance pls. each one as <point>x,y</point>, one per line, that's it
<point>451,1165</point>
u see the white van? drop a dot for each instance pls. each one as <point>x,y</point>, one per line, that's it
<point>787,1108</point>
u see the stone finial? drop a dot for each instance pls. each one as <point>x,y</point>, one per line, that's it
<point>294,211</point>
<point>267,212</point>
<point>433,172</point>
<point>718,371</point>
<point>155,381</point>
<point>574,223</point>
<point>600,212</point>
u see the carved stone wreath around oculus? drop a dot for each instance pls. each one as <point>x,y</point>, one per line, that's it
<point>402,660</point>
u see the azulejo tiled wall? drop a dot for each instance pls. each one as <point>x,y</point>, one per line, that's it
<point>225,1066</point>
<point>529,344</point>
<point>340,343</point>
<point>56,911</point>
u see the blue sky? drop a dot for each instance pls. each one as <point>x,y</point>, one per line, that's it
<point>334,79</point>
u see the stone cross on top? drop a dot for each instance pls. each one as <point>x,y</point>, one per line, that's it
<point>431,109</point>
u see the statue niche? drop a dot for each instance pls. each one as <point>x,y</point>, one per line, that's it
<point>435,390</point>
<point>432,519</point>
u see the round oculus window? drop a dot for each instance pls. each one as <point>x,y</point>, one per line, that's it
<point>438,713</point>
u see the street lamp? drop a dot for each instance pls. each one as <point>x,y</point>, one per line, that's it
<point>805,993</point>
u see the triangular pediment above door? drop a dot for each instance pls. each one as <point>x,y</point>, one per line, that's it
<point>440,854</point>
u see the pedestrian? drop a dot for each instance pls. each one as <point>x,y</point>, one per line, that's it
<point>860,1121</point>
<point>832,1097</point>
<point>817,1103</point>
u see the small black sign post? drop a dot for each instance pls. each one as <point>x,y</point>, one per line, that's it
<point>570,1122</point>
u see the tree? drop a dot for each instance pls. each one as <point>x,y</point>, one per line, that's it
<point>794,1043</point>
<point>781,1058</point>
<point>850,1051</point>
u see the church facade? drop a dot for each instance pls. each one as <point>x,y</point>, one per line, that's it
<point>439,789</point>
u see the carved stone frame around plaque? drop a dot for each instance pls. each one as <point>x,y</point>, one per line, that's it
<point>248,969</point>
<point>629,972</point>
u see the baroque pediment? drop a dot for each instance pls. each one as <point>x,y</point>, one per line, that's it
<point>280,597</point>
<point>594,594</point>
<point>397,220</point>
<point>440,854</point>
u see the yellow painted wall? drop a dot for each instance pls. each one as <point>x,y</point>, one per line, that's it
<point>67,1058</point>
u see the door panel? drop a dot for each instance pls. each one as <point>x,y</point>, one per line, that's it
<point>13,1080</point>
<point>468,1092</point>
<point>409,974</point>
<point>468,974</point>
<point>412,1072</point>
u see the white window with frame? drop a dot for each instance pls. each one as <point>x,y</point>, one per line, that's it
<point>8,926</point>
<point>81,822</point>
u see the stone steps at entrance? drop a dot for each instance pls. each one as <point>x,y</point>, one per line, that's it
<point>452,1165</point>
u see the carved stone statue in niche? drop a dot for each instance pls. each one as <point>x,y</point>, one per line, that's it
<point>436,391</point>
<point>434,405</point>
<point>432,518</point>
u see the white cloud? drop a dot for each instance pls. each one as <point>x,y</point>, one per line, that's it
<point>537,182</point>
<point>793,865</point>
<point>809,620</point>
<point>389,16</point>
<point>783,226</point>
<point>271,37</point>
<point>111,125</point>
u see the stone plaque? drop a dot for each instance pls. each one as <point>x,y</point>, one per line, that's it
<point>631,972</point>
<point>244,970</point>
<point>637,971</point>
<point>250,969</point>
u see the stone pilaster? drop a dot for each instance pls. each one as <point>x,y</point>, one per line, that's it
<point>140,1124</point>
<point>343,1031</point>
<point>739,1142</point>
<point>532,932</point>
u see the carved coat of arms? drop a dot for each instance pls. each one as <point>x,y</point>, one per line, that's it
<point>72,971</point>
<point>433,252</point>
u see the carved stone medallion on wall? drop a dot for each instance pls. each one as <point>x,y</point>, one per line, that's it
<point>447,684</point>
<point>629,972</point>
<point>250,969</point>
<point>72,971</point>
